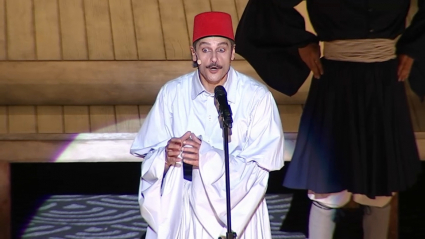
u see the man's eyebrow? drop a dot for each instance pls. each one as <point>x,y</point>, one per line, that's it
<point>223,43</point>
<point>201,43</point>
<point>207,43</point>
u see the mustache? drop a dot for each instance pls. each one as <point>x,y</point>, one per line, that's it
<point>214,65</point>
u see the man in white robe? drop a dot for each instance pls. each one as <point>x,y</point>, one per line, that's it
<point>183,127</point>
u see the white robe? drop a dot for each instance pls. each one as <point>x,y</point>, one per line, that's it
<point>176,208</point>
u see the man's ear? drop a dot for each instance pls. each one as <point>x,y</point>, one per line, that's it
<point>192,51</point>
<point>233,52</point>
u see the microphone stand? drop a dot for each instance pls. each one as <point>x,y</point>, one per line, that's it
<point>227,124</point>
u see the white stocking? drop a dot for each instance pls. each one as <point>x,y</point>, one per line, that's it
<point>321,223</point>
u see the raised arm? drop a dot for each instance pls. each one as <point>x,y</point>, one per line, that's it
<point>268,37</point>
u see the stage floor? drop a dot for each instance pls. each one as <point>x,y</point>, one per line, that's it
<point>114,217</point>
<point>99,200</point>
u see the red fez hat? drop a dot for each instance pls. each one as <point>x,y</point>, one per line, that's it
<point>212,24</point>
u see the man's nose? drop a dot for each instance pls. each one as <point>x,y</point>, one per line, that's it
<point>214,56</point>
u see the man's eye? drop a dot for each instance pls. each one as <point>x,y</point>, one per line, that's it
<point>221,50</point>
<point>205,50</point>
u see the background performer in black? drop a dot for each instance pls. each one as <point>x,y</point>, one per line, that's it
<point>355,138</point>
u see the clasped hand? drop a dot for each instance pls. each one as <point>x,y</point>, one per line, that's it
<point>184,148</point>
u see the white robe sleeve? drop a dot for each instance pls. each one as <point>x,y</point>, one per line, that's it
<point>162,208</point>
<point>156,129</point>
<point>249,173</point>
<point>158,204</point>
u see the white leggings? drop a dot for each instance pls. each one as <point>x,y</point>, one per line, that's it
<point>337,200</point>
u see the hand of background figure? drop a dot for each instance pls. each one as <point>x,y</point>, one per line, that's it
<point>405,63</point>
<point>310,54</point>
<point>173,149</point>
<point>191,150</point>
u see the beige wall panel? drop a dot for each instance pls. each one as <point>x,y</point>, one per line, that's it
<point>298,98</point>
<point>418,109</point>
<point>240,7</point>
<point>102,119</point>
<point>20,30</point>
<point>123,30</point>
<point>193,8</point>
<point>47,30</point>
<point>75,150</point>
<point>290,116</point>
<point>420,142</point>
<point>5,200</point>
<point>103,147</point>
<point>128,120</point>
<point>3,119</point>
<point>22,119</point>
<point>73,30</point>
<point>99,82</point>
<point>143,112</point>
<point>3,43</point>
<point>99,32</point>
<point>413,116</point>
<point>76,119</point>
<point>50,119</point>
<point>228,6</point>
<point>147,21</point>
<point>175,31</point>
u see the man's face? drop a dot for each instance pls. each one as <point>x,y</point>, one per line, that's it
<point>216,54</point>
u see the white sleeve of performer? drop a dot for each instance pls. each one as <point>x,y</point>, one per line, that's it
<point>161,210</point>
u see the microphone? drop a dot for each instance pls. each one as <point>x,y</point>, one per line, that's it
<point>223,107</point>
